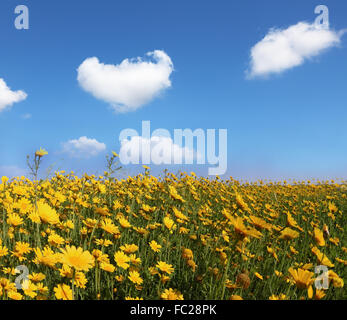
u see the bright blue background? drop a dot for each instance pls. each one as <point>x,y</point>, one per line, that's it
<point>291,125</point>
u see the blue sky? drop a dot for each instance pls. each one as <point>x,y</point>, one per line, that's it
<point>288,123</point>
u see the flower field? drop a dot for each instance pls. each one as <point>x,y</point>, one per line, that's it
<point>173,237</point>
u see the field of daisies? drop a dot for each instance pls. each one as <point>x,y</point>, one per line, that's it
<point>170,237</point>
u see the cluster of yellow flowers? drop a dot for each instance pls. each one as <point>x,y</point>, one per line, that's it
<point>170,238</point>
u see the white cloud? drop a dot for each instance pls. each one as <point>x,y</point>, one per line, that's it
<point>9,97</point>
<point>83,147</point>
<point>157,150</point>
<point>128,85</point>
<point>12,171</point>
<point>26,116</point>
<point>283,49</point>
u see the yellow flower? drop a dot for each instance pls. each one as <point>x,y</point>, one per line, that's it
<point>140,230</point>
<point>107,267</point>
<point>335,241</point>
<point>147,208</point>
<point>69,224</point>
<point>46,213</point>
<point>63,292</point>
<point>169,223</point>
<point>3,251</point>
<point>55,240</point>
<point>117,205</point>
<point>153,271</point>
<point>4,179</point>
<point>24,205</point>
<point>241,203</point>
<point>225,236</point>
<point>242,230</point>
<point>320,294</point>
<point>119,278</point>
<point>46,257</point>
<point>129,248</point>
<point>100,257</point>
<point>124,223</point>
<point>11,271</point>
<point>223,256</point>
<point>174,194</point>
<point>302,278</point>
<point>14,295</point>
<point>291,222</point>
<point>134,259</point>
<point>293,250</point>
<point>40,153</point>
<point>41,288</point>
<point>134,277</point>
<point>122,260</point>
<point>279,297</point>
<point>34,217</point>
<point>164,278</point>
<point>103,242</point>
<point>29,288</point>
<point>318,236</point>
<point>332,207</point>
<point>179,214</point>
<point>187,253</point>
<point>260,223</point>
<point>183,230</point>
<point>171,294</point>
<point>109,226</point>
<point>6,285</point>
<point>192,264</point>
<point>76,258</point>
<point>310,292</point>
<point>155,246</point>
<point>36,277</point>
<point>80,280</point>
<point>14,219</point>
<point>22,247</point>
<point>322,259</point>
<point>258,275</point>
<point>164,267</point>
<point>337,281</point>
<point>288,234</point>
<point>66,271</point>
